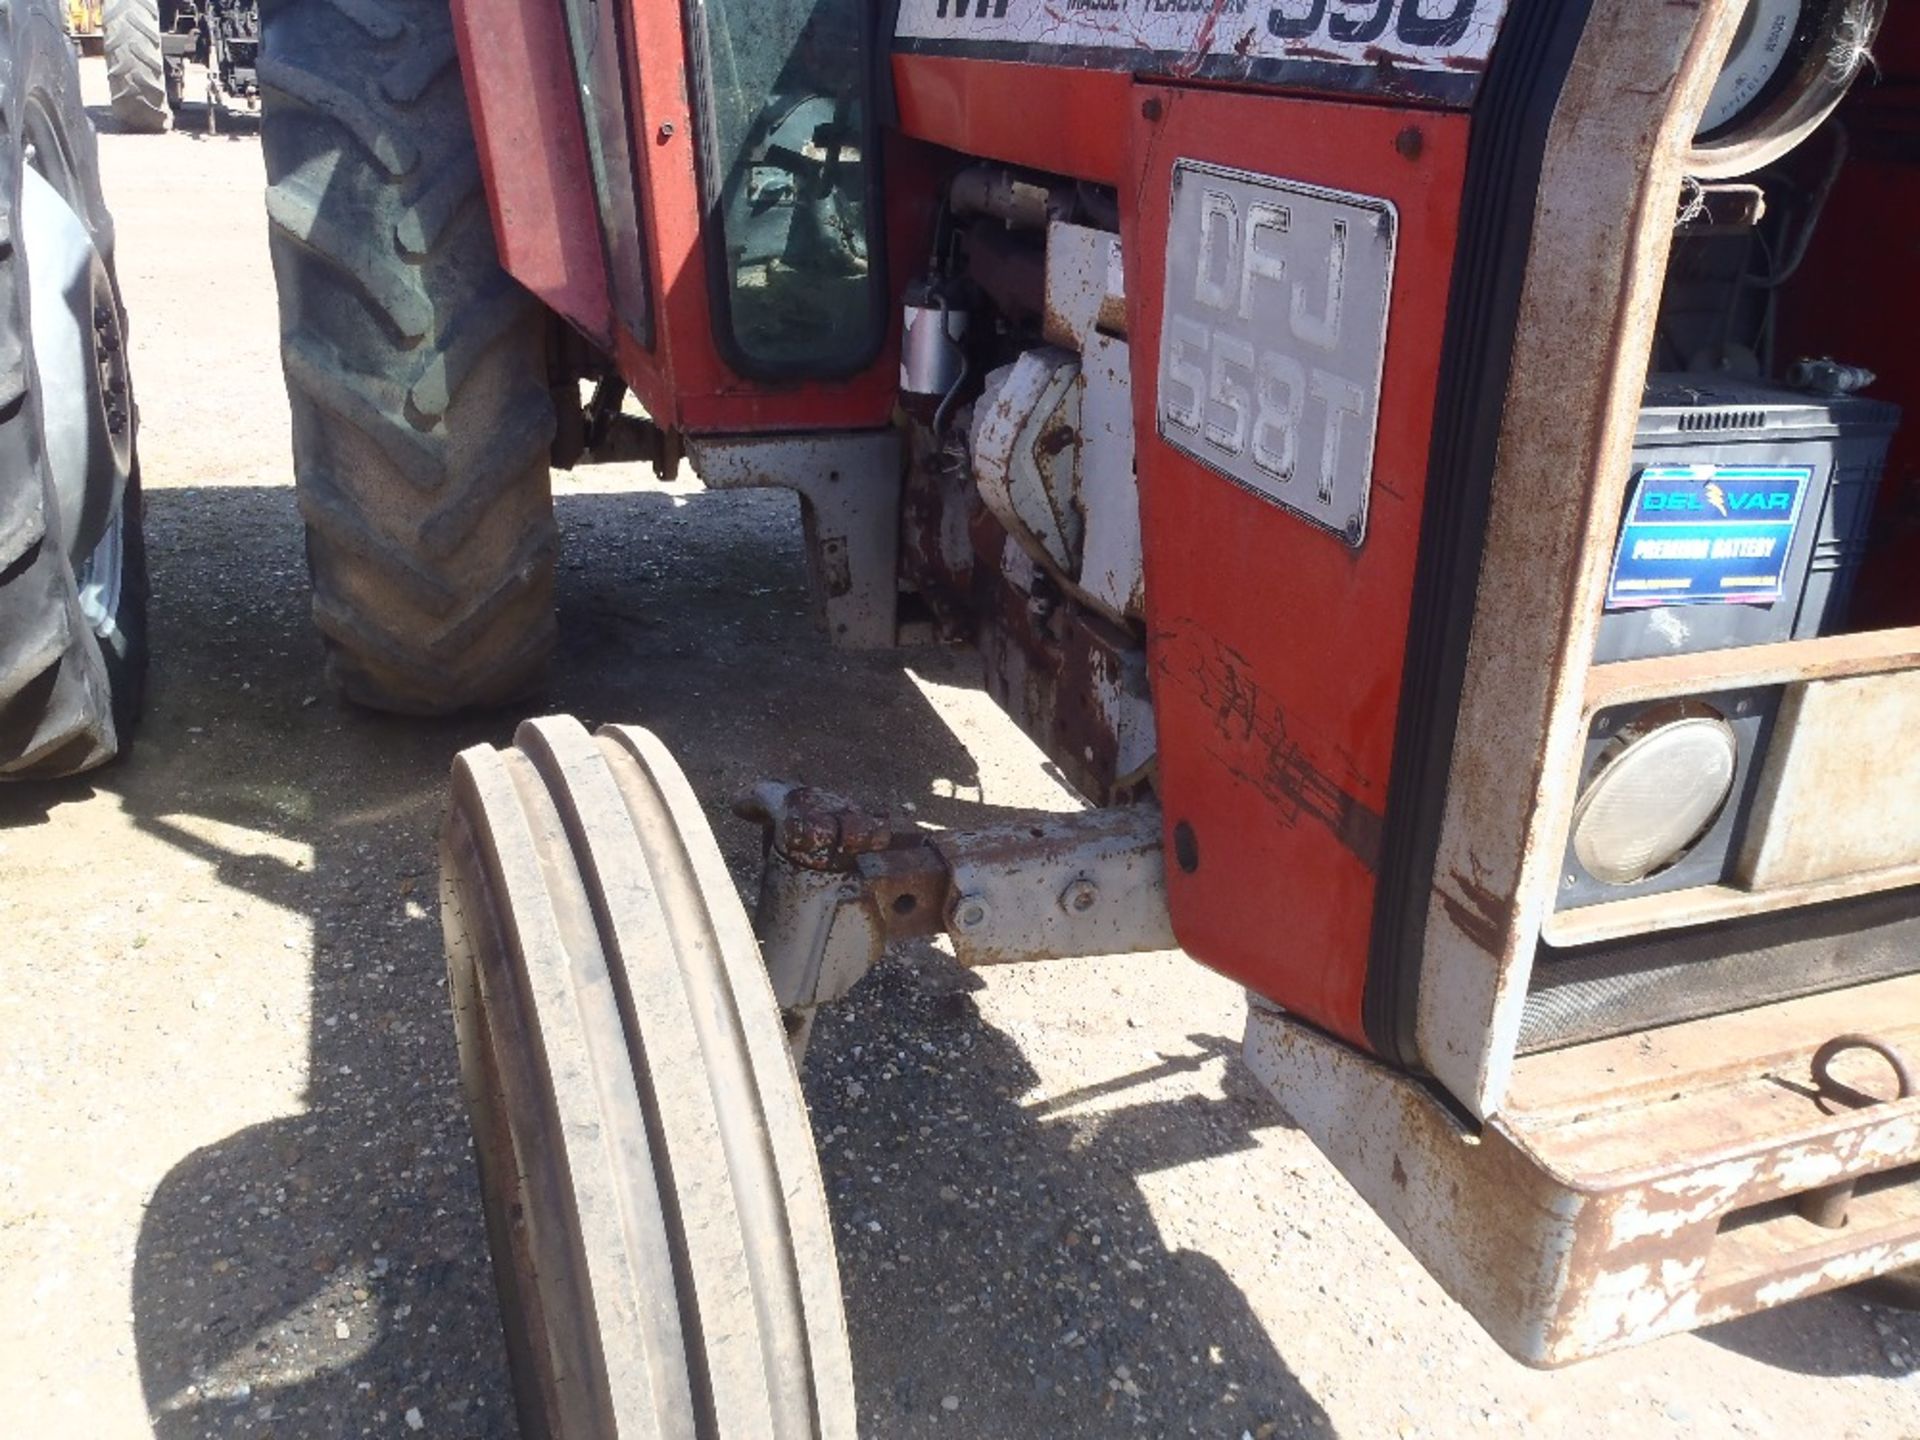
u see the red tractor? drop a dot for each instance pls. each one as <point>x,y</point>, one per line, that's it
<point>1431,473</point>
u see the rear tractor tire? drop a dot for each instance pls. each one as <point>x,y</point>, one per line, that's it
<point>73,577</point>
<point>136,70</point>
<point>660,1238</point>
<point>416,367</point>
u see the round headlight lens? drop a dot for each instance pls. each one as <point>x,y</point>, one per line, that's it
<point>1655,791</point>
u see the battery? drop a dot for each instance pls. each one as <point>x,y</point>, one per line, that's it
<point>1747,516</point>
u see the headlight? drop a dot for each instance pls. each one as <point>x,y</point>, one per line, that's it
<point>1653,792</point>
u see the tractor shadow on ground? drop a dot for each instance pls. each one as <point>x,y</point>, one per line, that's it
<point>325,1273</point>
<point>1856,1332</point>
<point>190,122</point>
<point>1002,1254</point>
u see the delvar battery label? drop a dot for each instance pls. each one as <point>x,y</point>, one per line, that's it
<point>1697,534</point>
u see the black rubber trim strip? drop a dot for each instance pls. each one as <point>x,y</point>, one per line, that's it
<point>1506,151</point>
<point>614,176</point>
<point>713,232</point>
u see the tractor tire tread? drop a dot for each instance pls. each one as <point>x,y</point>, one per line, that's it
<point>136,69</point>
<point>415,366</point>
<point>66,704</point>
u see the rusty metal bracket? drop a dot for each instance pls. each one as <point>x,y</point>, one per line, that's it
<point>849,487</point>
<point>1053,886</point>
<point>838,886</point>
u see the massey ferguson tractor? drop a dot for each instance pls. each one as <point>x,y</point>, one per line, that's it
<point>1438,476</point>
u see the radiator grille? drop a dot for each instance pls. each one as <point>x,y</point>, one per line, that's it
<point>1600,990</point>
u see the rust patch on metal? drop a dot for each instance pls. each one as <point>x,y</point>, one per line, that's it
<point>1070,679</point>
<point>1258,748</point>
<point>1057,438</point>
<point>1666,1183</point>
<point>815,829</point>
<point>1477,912</point>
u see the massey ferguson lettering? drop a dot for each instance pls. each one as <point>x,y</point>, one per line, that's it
<point>1238,38</point>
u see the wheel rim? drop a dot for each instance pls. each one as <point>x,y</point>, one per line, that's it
<point>100,577</point>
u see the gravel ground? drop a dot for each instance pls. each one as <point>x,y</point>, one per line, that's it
<point>236,1198</point>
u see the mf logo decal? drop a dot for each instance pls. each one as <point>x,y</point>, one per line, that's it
<point>1450,40</point>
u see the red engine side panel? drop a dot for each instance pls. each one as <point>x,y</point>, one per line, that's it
<point>1062,120</point>
<point>1276,649</point>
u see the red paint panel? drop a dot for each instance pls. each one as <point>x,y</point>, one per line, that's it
<point>1276,649</point>
<point>533,155</point>
<point>1066,121</point>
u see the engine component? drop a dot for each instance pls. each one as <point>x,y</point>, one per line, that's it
<point>1052,435</point>
<point>1073,680</point>
<point>933,331</point>
<point>1026,202</point>
<point>1747,522</point>
<point>1025,430</point>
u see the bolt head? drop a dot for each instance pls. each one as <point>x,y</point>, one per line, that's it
<point>1079,897</point>
<point>969,913</point>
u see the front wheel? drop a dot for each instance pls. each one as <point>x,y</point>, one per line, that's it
<point>653,1201</point>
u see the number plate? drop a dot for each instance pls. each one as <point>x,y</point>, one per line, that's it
<point>1273,337</point>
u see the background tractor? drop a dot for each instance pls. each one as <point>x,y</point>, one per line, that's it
<point>149,42</point>
<point>1431,473</point>
<point>83,24</point>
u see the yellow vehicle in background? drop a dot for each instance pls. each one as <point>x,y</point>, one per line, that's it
<point>83,24</point>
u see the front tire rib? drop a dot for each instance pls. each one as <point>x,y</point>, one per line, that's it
<point>659,1231</point>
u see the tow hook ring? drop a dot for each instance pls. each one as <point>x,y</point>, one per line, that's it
<point>1827,1206</point>
<point>1828,1088</point>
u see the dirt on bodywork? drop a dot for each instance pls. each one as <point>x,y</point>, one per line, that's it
<point>236,1194</point>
